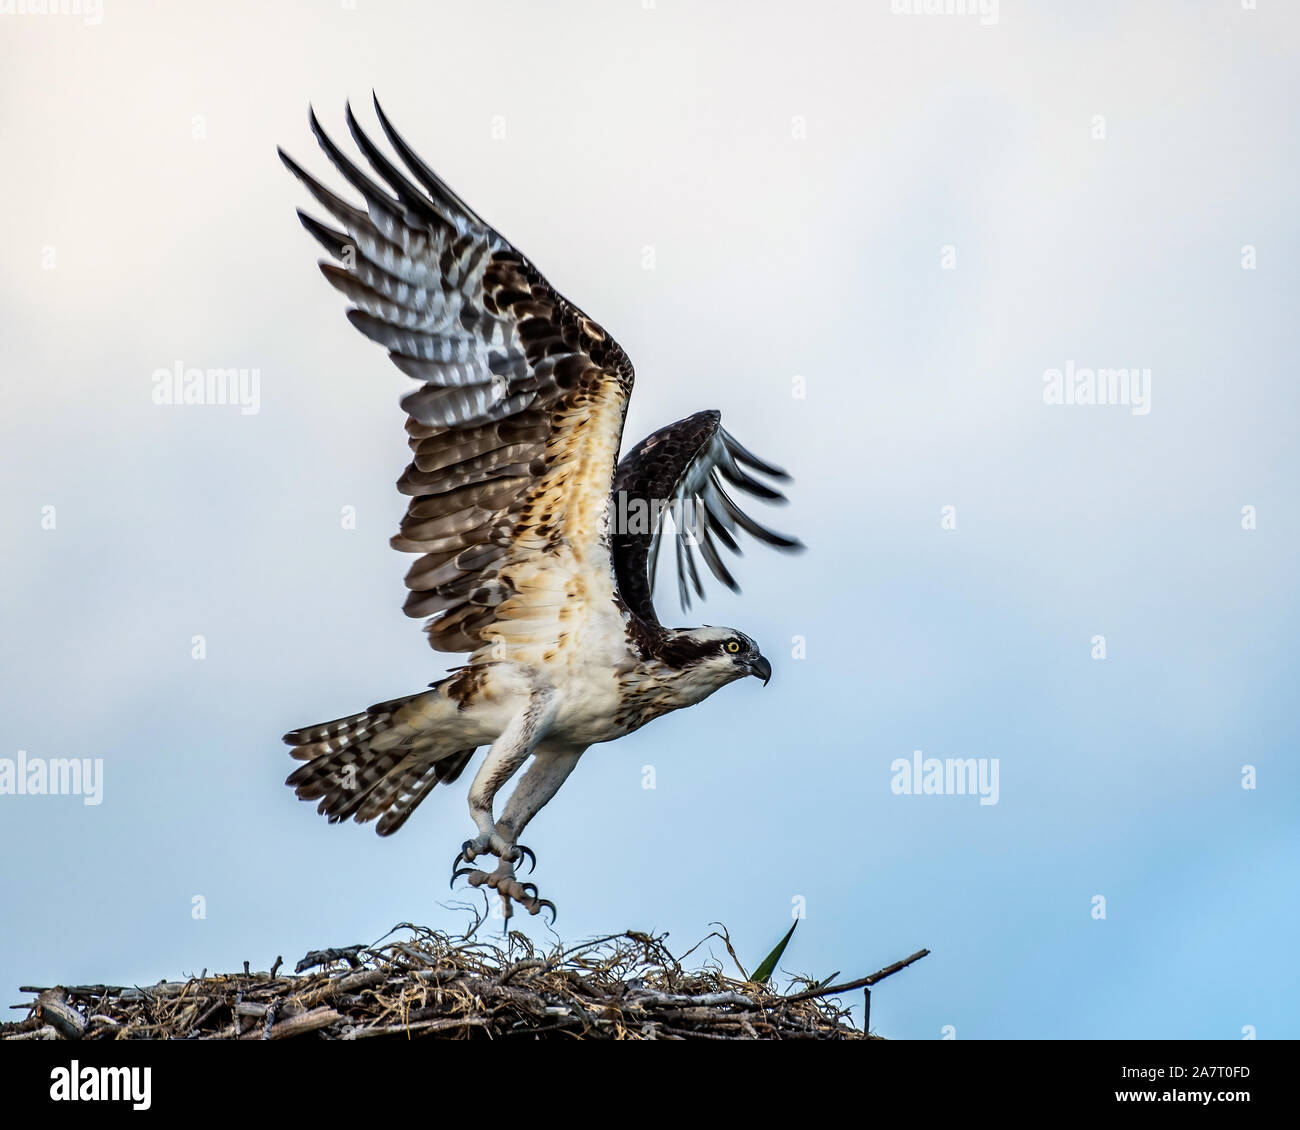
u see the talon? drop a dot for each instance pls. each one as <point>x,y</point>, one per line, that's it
<point>520,852</point>
<point>462,856</point>
<point>461,871</point>
<point>529,889</point>
<point>539,903</point>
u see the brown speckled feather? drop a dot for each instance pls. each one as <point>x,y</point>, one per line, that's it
<point>516,425</point>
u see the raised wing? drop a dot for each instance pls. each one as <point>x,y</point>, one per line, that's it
<point>516,425</point>
<point>680,471</point>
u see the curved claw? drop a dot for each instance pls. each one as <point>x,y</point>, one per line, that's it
<point>530,889</point>
<point>549,906</point>
<point>520,852</point>
<point>460,857</point>
<point>461,871</point>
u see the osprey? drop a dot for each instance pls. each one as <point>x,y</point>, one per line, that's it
<point>537,546</point>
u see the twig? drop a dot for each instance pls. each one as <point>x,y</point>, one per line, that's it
<point>860,983</point>
<point>45,1033</point>
<point>704,1000</point>
<point>299,1025</point>
<point>419,1026</point>
<point>194,1028</point>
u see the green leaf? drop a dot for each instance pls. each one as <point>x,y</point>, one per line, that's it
<point>768,966</point>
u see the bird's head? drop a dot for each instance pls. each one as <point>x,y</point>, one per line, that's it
<point>709,658</point>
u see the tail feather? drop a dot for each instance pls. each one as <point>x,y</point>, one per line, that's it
<point>396,816</point>
<point>413,786</point>
<point>379,763</point>
<point>328,737</point>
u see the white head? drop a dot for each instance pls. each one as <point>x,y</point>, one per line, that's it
<point>706,659</point>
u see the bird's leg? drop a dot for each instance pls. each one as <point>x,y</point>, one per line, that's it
<point>508,753</point>
<point>538,785</point>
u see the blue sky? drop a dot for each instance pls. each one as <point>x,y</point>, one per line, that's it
<point>796,175</point>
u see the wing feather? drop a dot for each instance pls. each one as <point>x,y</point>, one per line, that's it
<point>515,426</point>
<point>679,471</point>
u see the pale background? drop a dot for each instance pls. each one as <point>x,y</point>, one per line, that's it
<point>780,249</point>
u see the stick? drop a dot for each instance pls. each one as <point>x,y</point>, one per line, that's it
<point>52,1007</point>
<point>204,1018</point>
<point>860,983</point>
<point>418,1026</point>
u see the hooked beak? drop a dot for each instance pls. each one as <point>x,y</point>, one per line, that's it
<point>760,668</point>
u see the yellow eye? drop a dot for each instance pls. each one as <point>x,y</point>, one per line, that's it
<point>733,646</point>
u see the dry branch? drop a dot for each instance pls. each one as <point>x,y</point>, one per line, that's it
<point>860,983</point>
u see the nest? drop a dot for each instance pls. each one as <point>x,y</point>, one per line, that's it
<point>429,984</point>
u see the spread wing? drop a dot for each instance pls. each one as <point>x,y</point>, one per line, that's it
<point>683,471</point>
<point>517,421</point>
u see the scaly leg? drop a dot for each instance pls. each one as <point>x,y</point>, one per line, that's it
<point>549,770</point>
<point>508,753</point>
